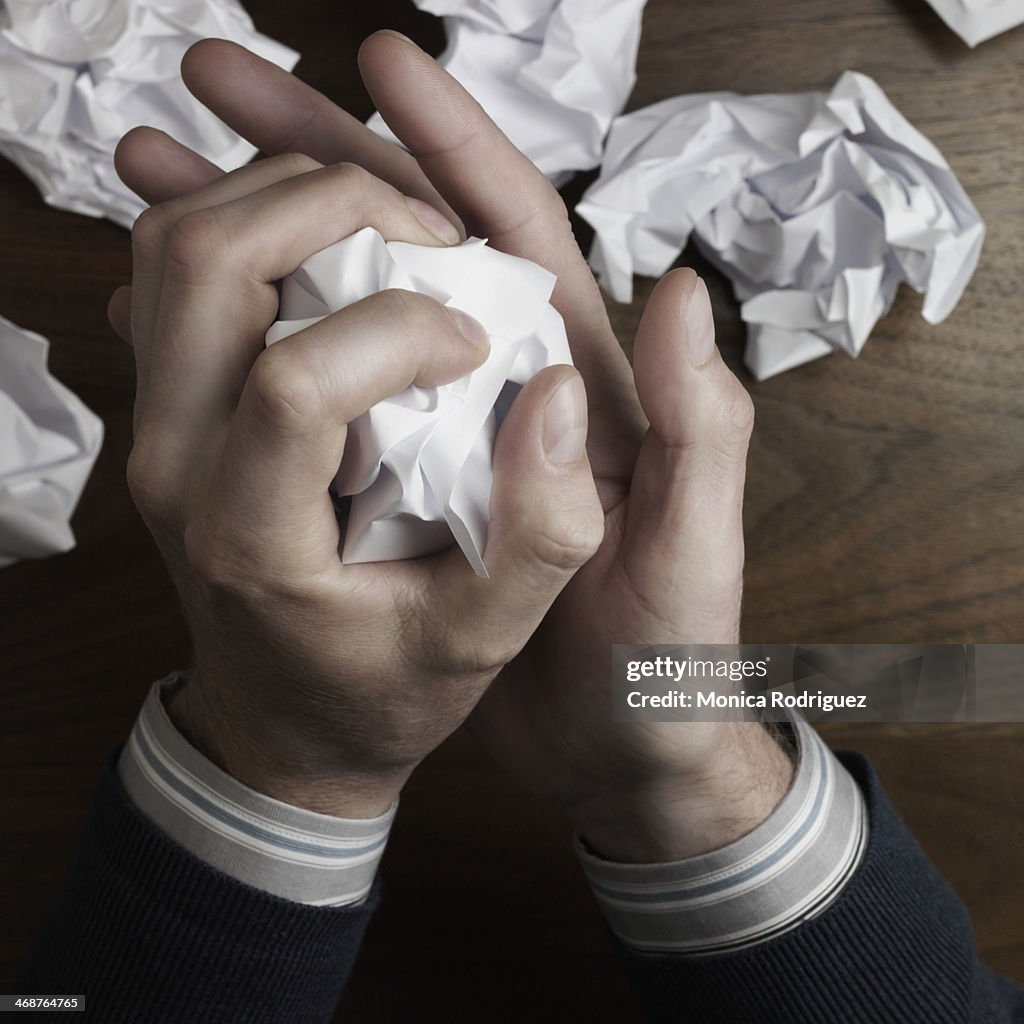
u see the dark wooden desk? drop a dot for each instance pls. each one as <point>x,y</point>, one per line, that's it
<point>885,504</point>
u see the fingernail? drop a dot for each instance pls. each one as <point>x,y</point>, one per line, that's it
<point>471,329</point>
<point>700,325</point>
<point>565,423</point>
<point>434,221</point>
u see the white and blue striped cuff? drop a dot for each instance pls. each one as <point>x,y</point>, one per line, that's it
<point>787,870</point>
<point>293,853</point>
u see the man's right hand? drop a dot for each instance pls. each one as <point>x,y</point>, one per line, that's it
<point>320,684</point>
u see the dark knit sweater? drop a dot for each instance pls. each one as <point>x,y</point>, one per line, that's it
<point>895,946</point>
<point>148,933</point>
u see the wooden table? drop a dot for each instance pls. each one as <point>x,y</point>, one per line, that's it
<point>884,504</point>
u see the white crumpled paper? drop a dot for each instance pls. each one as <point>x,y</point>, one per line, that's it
<point>551,73</point>
<point>419,464</point>
<point>48,443</point>
<point>816,206</point>
<point>977,20</point>
<point>75,75</point>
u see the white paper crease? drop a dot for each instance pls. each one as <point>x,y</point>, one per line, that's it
<point>552,74</point>
<point>816,206</point>
<point>418,465</point>
<point>48,443</point>
<point>76,75</point>
<point>977,20</point>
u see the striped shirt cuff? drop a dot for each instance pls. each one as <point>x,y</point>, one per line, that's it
<point>790,868</point>
<point>293,853</point>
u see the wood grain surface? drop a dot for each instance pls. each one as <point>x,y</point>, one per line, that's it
<point>885,503</point>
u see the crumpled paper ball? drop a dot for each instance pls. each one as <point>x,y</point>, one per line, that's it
<point>75,75</point>
<point>418,465</point>
<point>49,441</point>
<point>816,207</point>
<point>552,74</point>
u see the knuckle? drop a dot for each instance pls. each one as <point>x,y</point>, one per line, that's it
<point>402,310</point>
<point>150,230</point>
<point>568,542</point>
<point>350,177</point>
<point>147,484</point>
<point>402,304</point>
<point>196,242</point>
<point>357,196</point>
<point>286,395</point>
<point>295,164</point>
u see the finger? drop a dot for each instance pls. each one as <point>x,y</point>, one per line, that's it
<point>545,522</point>
<point>158,168</point>
<point>500,195</point>
<point>287,438</point>
<point>686,500</point>
<point>152,231</point>
<point>119,312</point>
<point>220,265</point>
<point>161,169</point>
<point>279,114</point>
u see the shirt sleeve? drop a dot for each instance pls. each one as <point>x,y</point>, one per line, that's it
<point>287,851</point>
<point>789,869</point>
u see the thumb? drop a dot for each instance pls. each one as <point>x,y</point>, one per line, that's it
<point>686,499</point>
<point>545,519</point>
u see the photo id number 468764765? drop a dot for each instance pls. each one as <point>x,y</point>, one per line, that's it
<point>21,1003</point>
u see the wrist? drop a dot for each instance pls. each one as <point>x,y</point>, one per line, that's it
<point>280,770</point>
<point>743,777</point>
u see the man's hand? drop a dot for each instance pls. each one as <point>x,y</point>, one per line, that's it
<point>667,444</point>
<point>320,684</point>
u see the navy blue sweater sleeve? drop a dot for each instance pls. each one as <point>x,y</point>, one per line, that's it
<point>896,947</point>
<point>147,932</point>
